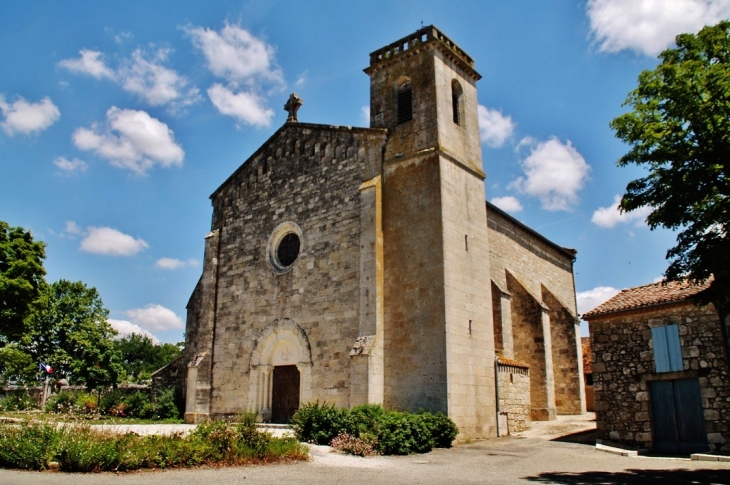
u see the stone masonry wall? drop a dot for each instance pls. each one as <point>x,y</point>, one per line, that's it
<point>623,359</point>
<point>514,396</point>
<point>567,357</point>
<point>308,175</point>
<point>531,259</point>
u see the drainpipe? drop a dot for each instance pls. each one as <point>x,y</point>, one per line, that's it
<point>496,390</point>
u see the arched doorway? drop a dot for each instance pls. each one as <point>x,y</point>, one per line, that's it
<point>281,363</point>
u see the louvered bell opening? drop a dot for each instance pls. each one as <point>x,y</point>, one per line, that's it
<point>455,107</point>
<point>405,104</point>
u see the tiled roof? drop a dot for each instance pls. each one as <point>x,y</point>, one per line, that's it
<point>512,362</point>
<point>648,295</point>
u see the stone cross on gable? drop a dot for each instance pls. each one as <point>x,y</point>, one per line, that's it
<point>292,106</point>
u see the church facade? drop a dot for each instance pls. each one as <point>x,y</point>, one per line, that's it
<point>363,265</point>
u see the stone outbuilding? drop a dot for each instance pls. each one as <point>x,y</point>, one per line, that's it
<point>363,265</point>
<point>660,370</point>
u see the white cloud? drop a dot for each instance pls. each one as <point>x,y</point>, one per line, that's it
<point>26,118</point>
<point>301,80</point>
<point>494,127</point>
<point>244,106</point>
<point>110,242</point>
<point>133,140</point>
<point>154,317</point>
<point>67,166</point>
<point>72,229</point>
<point>649,26</point>
<point>155,83</point>
<point>588,300</point>
<point>143,74</point>
<point>554,172</point>
<point>508,203</point>
<point>365,112</point>
<point>236,55</point>
<point>610,216</point>
<point>90,63</point>
<point>124,328</point>
<point>172,263</point>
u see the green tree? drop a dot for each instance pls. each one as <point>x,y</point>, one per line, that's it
<point>21,277</point>
<point>679,129</point>
<point>68,330</point>
<point>17,366</point>
<point>141,356</point>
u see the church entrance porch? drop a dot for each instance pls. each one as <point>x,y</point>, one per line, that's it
<point>285,393</point>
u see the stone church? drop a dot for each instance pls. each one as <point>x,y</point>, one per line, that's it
<point>363,265</point>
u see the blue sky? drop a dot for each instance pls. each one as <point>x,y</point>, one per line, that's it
<point>119,119</point>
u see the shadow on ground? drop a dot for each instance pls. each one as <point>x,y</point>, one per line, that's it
<point>665,477</point>
<point>587,437</point>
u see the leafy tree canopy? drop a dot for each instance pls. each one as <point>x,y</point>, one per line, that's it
<point>679,129</point>
<point>68,330</point>
<point>21,277</point>
<point>141,356</point>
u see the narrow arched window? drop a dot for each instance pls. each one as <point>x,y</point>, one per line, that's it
<point>457,101</point>
<point>405,102</point>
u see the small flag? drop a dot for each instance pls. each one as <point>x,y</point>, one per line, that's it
<point>46,368</point>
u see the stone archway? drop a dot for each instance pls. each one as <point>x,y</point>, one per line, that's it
<point>282,344</point>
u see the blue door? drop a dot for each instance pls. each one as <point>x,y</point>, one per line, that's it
<point>678,422</point>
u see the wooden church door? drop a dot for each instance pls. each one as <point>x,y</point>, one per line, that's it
<point>285,393</point>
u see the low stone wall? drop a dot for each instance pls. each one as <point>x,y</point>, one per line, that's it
<point>514,394</point>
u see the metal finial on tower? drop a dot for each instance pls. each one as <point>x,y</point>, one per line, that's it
<point>292,106</point>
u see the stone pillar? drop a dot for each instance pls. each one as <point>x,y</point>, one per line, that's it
<point>508,344</point>
<point>549,412</point>
<point>264,392</point>
<point>305,382</point>
<point>367,367</point>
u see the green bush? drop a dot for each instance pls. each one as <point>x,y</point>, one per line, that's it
<point>442,428</point>
<point>138,405</point>
<point>164,405</point>
<point>29,447</point>
<point>18,401</point>
<point>63,402</point>
<point>388,432</point>
<point>86,449</point>
<point>81,449</point>
<point>111,401</point>
<point>319,423</point>
<point>403,433</point>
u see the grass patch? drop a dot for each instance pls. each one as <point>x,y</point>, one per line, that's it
<point>80,448</point>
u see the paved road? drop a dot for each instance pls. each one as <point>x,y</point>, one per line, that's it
<point>510,460</point>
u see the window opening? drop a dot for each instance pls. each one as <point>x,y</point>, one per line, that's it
<point>405,102</point>
<point>288,249</point>
<point>456,93</point>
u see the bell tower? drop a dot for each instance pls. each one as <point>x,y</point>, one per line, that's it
<point>438,335</point>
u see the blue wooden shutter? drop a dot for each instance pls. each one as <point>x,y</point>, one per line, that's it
<point>667,350</point>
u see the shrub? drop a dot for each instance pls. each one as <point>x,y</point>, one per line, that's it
<point>18,401</point>
<point>138,404</point>
<point>82,450</point>
<point>63,402</point>
<point>388,432</point>
<point>361,446</point>
<point>319,423</point>
<point>164,406</point>
<point>110,402</point>
<point>28,447</point>
<point>403,433</point>
<point>85,449</point>
<point>442,428</point>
